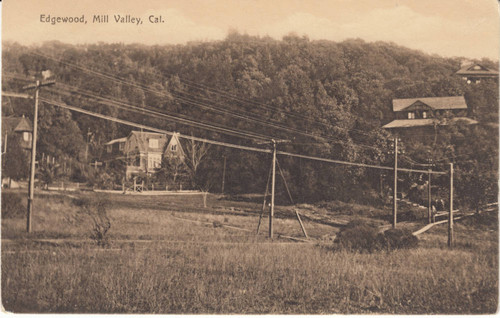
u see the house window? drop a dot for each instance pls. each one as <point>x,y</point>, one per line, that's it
<point>153,143</point>
<point>110,148</point>
<point>26,136</point>
<point>411,115</point>
<point>121,145</point>
<point>424,114</point>
<point>173,147</point>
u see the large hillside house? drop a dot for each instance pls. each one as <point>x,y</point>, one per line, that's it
<point>143,152</point>
<point>428,111</point>
<point>474,73</point>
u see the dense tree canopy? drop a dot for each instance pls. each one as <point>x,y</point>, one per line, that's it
<point>293,89</point>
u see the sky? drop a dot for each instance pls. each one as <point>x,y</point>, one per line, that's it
<point>468,28</point>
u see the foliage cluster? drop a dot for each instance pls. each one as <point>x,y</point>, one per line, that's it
<point>360,236</point>
<point>95,208</point>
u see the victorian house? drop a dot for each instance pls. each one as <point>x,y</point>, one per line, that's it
<point>143,152</point>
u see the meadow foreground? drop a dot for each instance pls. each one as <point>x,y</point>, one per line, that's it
<point>164,260</point>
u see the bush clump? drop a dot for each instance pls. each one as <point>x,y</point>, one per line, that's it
<point>12,206</point>
<point>358,236</point>
<point>363,237</point>
<point>398,239</point>
<point>95,209</point>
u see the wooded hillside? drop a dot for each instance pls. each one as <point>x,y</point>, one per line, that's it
<point>328,99</point>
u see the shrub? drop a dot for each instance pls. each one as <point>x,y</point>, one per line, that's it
<point>358,236</point>
<point>398,239</point>
<point>12,206</point>
<point>95,208</point>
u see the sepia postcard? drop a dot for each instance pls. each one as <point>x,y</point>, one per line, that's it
<point>250,157</point>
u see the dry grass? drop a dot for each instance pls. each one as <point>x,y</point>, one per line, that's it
<point>192,267</point>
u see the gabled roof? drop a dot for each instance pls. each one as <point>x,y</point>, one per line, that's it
<point>15,124</point>
<point>407,123</point>
<point>476,69</point>
<point>449,102</point>
<point>23,125</point>
<point>175,141</point>
<point>141,140</point>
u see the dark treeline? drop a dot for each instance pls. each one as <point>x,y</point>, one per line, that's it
<point>340,92</point>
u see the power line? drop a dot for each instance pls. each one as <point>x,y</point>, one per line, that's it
<point>454,157</point>
<point>413,162</point>
<point>261,105</point>
<point>84,92</point>
<point>255,120</point>
<point>198,124</point>
<point>162,131</point>
<point>121,81</point>
<point>354,163</point>
<point>225,144</point>
<point>141,110</point>
<point>16,76</point>
<point>161,114</point>
<point>138,85</point>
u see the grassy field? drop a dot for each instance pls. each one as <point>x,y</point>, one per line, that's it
<point>172,255</point>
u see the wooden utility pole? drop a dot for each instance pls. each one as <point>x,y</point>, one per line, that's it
<point>31,185</point>
<point>429,199</point>
<point>273,183</point>
<point>395,187</point>
<point>450,215</point>
<point>223,175</point>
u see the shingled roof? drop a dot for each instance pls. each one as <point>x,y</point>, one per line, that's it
<point>476,70</point>
<point>449,102</point>
<point>142,141</point>
<point>15,124</point>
